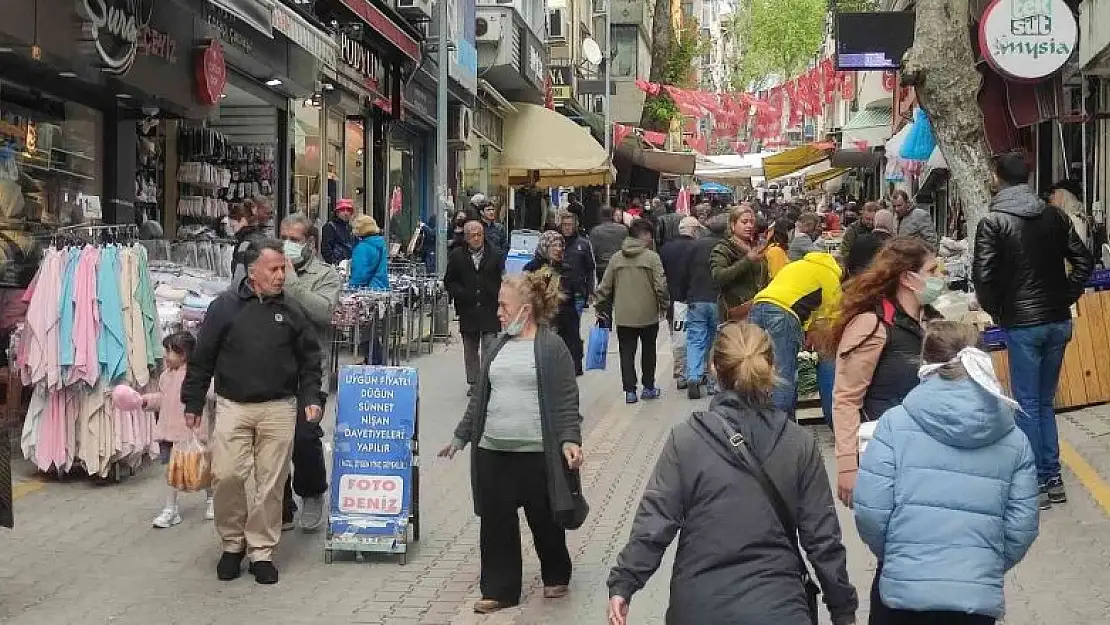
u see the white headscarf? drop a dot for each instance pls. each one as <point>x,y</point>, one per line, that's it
<point>979,368</point>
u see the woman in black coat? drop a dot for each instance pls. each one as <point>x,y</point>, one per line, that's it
<point>736,562</point>
<point>574,281</point>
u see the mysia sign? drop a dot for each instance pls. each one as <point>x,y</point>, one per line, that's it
<point>1027,39</point>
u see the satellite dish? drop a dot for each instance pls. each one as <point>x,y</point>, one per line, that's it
<point>591,51</point>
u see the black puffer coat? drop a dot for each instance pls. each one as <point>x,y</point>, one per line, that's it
<point>1019,268</point>
<point>734,562</point>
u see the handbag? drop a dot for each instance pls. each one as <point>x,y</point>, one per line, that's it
<point>574,518</point>
<point>739,313</point>
<point>782,510</point>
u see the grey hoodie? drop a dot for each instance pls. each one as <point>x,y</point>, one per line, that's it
<point>1019,201</point>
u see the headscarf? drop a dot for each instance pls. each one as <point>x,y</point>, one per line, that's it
<point>979,368</point>
<point>547,239</point>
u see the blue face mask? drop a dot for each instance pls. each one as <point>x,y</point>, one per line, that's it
<point>293,251</point>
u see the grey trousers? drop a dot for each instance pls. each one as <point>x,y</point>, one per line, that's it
<point>474,345</point>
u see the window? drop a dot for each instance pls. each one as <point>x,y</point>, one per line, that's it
<point>624,51</point>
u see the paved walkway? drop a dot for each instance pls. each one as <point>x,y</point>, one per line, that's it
<point>87,554</point>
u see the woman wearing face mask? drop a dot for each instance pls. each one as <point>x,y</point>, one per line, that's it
<point>876,342</point>
<point>369,261</point>
<point>738,266</point>
<point>240,221</point>
<point>524,429</point>
<point>550,252</point>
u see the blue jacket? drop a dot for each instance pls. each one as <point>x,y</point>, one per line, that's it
<point>369,265</point>
<point>947,498</point>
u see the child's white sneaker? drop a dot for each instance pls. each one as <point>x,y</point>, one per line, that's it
<point>210,510</point>
<point>168,518</point>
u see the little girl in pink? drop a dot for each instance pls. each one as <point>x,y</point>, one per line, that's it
<point>171,427</point>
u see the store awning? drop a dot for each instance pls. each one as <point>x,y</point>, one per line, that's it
<point>545,148</point>
<point>819,178</point>
<point>259,14</point>
<point>662,161</point>
<point>867,128</point>
<point>792,161</point>
<point>854,158</point>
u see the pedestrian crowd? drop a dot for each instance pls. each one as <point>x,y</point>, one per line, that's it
<point>944,472</point>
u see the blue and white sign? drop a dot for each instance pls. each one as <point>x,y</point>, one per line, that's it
<point>371,491</point>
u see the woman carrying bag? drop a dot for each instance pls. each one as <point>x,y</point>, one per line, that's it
<point>742,486</point>
<point>738,265</point>
<point>525,433</point>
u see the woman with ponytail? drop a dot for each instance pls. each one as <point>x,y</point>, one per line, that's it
<point>876,341</point>
<point>524,429</point>
<point>738,558</point>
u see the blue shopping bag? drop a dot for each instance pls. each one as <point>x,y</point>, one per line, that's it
<point>597,348</point>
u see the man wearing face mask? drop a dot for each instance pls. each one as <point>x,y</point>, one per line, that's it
<point>1023,249</point>
<point>315,286</point>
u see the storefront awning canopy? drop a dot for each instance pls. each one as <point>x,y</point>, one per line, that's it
<point>819,178</point>
<point>791,161</point>
<point>661,161</point>
<point>549,150</point>
<point>867,128</point>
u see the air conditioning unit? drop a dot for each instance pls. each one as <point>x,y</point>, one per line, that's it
<point>488,28</point>
<point>459,125</point>
<point>417,10</point>
<point>557,25</point>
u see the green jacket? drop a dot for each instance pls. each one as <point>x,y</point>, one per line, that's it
<point>737,278</point>
<point>634,286</point>
<point>315,287</point>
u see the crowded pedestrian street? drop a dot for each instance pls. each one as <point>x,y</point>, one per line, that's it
<point>86,554</point>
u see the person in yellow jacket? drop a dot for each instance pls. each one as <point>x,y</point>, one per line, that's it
<point>802,291</point>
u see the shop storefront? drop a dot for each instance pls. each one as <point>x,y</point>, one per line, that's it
<point>411,161</point>
<point>482,159</point>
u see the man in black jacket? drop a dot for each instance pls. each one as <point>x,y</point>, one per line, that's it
<point>264,355</point>
<point>473,279</point>
<point>677,257</point>
<point>337,240</point>
<point>701,309</point>
<point>1023,248</point>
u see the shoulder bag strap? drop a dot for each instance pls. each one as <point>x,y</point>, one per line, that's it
<point>782,509</point>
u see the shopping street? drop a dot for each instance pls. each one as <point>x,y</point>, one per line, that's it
<point>87,554</point>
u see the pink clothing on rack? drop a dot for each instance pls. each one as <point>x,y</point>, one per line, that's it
<point>54,445</point>
<point>171,412</point>
<point>43,317</point>
<point>86,321</point>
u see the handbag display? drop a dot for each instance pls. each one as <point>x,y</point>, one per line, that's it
<point>782,510</point>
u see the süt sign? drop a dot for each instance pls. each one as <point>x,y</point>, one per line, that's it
<point>1028,39</point>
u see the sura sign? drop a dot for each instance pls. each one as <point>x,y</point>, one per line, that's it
<point>1028,39</point>
<point>115,32</point>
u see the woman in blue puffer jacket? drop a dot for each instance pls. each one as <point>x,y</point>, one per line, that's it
<point>947,491</point>
<point>370,258</point>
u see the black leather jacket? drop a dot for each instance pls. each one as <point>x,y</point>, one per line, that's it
<point>1019,270</point>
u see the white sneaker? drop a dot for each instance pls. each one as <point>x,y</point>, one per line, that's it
<point>312,514</point>
<point>168,518</point>
<point>210,510</point>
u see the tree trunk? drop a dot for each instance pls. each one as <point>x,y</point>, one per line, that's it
<point>947,84</point>
<point>662,37</point>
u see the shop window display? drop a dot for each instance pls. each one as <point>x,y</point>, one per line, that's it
<point>405,195</point>
<point>354,170</point>
<point>306,160</point>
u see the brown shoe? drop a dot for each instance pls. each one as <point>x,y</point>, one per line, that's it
<point>489,606</point>
<point>555,592</point>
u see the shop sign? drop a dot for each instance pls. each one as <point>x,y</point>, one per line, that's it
<point>373,459</point>
<point>532,64</point>
<point>421,101</point>
<point>1027,39</point>
<point>562,83</point>
<point>393,33</point>
<point>211,72</point>
<point>366,63</point>
<point>224,22</point>
<point>308,37</point>
<point>116,25</point>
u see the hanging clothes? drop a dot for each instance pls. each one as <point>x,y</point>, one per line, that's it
<point>42,324</point>
<point>67,306</point>
<point>134,329</point>
<point>86,326</point>
<point>112,343</point>
<point>145,296</point>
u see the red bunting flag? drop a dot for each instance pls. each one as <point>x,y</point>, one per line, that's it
<point>655,138</point>
<point>620,133</point>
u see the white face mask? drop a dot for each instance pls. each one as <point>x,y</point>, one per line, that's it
<point>516,326</point>
<point>293,251</point>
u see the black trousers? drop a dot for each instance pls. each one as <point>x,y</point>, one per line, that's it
<point>506,481</point>
<point>309,476</point>
<point>568,326</point>
<point>628,339</point>
<point>880,614</point>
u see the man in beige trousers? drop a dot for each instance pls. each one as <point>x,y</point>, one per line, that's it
<point>263,354</point>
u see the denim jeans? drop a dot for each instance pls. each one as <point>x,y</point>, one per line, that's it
<point>701,329</point>
<point>786,339</point>
<point>1036,356</point>
<point>826,381</point>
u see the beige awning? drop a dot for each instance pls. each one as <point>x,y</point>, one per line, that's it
<point>792,161</point>
<point>662,161</point>
<point>545,148</point>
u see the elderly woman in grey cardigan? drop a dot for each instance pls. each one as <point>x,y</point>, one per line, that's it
<point>524,429</point>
